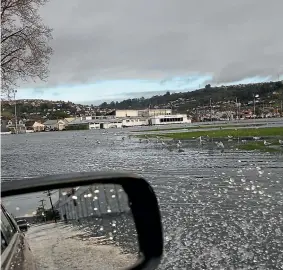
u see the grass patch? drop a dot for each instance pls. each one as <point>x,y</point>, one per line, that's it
<point>199,127</point>
<point>239,132</point>
<point>251,146</point>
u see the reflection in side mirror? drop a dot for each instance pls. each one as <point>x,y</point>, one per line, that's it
<point>84,227</point>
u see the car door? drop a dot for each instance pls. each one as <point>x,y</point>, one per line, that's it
<point>15,251</point>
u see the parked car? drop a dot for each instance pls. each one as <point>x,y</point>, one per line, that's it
<point>15,250</point>
<point>23,225</point>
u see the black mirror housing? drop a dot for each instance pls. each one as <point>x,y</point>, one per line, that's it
<point>143,204</point>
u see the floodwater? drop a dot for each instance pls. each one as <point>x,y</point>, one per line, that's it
<point>219,210</point>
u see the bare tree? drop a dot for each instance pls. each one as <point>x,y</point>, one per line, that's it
<point>25,50</point>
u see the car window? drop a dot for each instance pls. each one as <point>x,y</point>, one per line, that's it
<point>7,230</point>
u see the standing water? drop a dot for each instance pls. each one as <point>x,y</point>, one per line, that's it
<point>220,210</point>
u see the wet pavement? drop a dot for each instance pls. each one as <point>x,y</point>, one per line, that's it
<point>220,210</point>
<point>56,247</point>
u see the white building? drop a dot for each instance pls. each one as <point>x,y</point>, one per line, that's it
<point>133,122</point>
<point>142,113</point>
<point>169,119</point>
<point>78,124</point>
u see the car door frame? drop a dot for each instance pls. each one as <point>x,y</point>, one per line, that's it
<point>8,255</point>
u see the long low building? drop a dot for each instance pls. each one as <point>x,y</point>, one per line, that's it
<point>115,122</point>
<point>94,124</point>
<point>169,119</point>
<point>135,121</point>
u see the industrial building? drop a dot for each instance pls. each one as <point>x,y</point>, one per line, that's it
<point>92,201</point>
<point>78,124</point>
<point>128,118</point>
<point>142,113</point>
<point>169,119</point>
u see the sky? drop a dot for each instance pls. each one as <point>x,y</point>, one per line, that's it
<point>113,50</point>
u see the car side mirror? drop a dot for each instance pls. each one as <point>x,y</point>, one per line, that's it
<point>106,212</point>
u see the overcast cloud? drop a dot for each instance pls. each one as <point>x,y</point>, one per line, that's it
<point>157,39</point>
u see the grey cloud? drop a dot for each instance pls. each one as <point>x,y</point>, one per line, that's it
<point>96,40</point>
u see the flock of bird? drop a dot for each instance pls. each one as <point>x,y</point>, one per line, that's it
<point>179,145</point>
<point>202,140</point>
<point>170,144</point>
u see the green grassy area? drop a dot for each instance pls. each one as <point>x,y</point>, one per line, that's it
<point>199,127</point>
<point>223,133</point>
<point>251,146</point>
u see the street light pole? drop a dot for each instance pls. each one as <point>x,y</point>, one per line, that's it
<point>254,105</point>
<point>236,108</point>
<point>210,110</point>
<point>16,120</point>
<point>42,206</point>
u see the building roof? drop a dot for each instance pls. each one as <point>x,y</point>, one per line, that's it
<point>69,119</point>
<point>79,121</point>
<point>52,122</point>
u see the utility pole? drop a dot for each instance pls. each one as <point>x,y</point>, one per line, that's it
<point>54,214</point>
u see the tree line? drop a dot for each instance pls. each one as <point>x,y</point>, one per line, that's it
<point>191,99</point>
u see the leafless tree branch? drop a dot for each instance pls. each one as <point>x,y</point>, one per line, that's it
<point>25,50</point>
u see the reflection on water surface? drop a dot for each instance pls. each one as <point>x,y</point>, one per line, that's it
<point>219,209</point>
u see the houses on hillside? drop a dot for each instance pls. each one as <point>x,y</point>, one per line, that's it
<point>117,119</point>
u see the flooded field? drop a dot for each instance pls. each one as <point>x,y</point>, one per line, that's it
<point>221,210</point>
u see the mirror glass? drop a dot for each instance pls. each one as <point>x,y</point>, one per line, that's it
<point>86,227</point>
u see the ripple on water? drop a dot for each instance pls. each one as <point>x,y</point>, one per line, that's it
<point>219,209</point>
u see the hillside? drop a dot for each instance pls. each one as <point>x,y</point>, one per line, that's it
<point>270,98</point>
<point>187,101</point>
